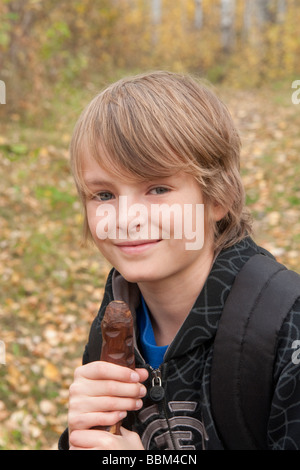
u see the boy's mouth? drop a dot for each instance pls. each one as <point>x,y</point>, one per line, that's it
<point>136,246</point>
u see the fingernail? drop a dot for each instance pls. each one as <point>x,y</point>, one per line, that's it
<point>135,377</point>
<point>122,414</point>
<point>139,403</point>
<point>143,391</point>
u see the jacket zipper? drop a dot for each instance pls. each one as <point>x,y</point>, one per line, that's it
<point>157,394</point>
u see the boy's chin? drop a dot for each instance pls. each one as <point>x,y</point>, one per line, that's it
<point>137,277</point>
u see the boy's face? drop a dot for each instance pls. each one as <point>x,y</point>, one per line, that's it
<point>148,230</point>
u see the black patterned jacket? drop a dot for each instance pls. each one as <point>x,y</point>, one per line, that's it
<point>183,418</point>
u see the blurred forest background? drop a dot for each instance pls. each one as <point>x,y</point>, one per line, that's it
<point>54,57</point>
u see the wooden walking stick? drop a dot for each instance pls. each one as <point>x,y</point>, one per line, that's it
<point>117,342</point>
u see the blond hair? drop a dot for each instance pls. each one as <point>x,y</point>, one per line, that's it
<point>156,124</point>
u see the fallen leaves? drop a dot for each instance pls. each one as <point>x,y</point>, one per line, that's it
<point>51,291</point>
<point>270,164</point>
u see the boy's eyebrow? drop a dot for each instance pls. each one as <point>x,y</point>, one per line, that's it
<point>93,181</point>
<point>96,182</point>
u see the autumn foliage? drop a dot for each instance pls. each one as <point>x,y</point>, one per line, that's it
<point>50,42</point>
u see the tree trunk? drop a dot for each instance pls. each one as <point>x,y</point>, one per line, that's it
<point>156,14</point>
<point>227,24</point>
<point>198,14</point>
<point>281,10</point>
<point>264,11</point>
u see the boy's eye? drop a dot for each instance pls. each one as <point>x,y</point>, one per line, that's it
<point>159,190</point>
<point>104,196</point>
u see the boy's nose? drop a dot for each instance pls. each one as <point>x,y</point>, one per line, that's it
<point>132,217</point>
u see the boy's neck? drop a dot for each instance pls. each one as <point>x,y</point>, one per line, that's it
<point>170,300</point>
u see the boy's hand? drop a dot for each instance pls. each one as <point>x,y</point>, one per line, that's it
<point>102,440</point>
<point>101,395</point>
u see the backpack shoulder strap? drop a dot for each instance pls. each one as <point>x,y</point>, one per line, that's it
<point>262,295</point>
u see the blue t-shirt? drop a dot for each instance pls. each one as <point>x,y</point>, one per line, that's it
<point>152,353</point>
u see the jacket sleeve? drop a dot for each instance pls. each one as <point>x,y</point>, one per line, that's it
<point>63,443</point>
<point>284,423</point>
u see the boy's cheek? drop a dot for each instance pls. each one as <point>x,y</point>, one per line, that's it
<point>92,219</point>
<point>92,222</point>
<point>92,226</point>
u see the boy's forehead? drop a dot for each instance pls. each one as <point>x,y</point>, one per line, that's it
<point>102,167</point>
<point>95,171</point>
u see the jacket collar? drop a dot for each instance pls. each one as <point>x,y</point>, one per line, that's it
<point>201,324</point>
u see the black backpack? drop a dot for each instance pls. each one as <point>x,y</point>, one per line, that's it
<point>245,349</point>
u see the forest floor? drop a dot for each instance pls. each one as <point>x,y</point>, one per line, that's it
<point>51,287</point>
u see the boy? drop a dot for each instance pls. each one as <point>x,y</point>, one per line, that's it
<point>162,141</point>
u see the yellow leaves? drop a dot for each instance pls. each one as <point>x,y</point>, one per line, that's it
<point>81,7</point>
<point>15,278</point>
<point>47,407</point>
<point>51,372</point>
<point>3,413</point>
<point>16,378</point>
<point>273,218</point>
<point>13,376</point>
<point>271,169</point>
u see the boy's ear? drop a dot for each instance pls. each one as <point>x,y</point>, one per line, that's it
<point>218,211</point>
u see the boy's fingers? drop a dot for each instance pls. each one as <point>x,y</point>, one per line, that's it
<point>100,370</point>
<point>104,404</point>
<point>143,374</point>
<point>134,438</point>
<point>90,420</point>
<point>92,438</point>
<point>104,440</point>
<point>86,438</point>
<point>113,388</point>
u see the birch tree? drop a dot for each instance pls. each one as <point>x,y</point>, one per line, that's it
<point>156,16</point>
<point>227,24</point>
<point>198,14</point>
<point>281,10</point>
<point>264,11</point>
